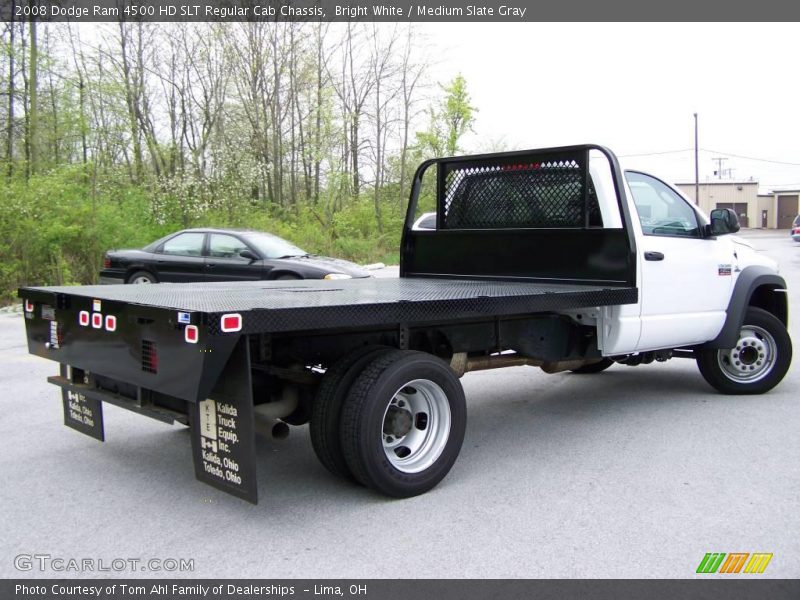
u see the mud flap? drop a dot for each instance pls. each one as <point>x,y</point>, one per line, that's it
<point>223,437</point>
<point>81,412</point>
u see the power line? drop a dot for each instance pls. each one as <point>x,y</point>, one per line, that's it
<point>766,160</point>
<point>657,153</point>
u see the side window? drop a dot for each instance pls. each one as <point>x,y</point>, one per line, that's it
<point>226,246</point>
<point>661,210</point>
<point>185,244</point>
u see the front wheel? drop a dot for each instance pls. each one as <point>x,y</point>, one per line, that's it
<point>758,361</point>
<point>403,423</point>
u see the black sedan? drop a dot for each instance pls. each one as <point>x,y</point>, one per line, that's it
<point>221,255</point>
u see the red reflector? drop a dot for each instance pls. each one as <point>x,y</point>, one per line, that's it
<point>28,306</point>
<point>231,323</point>
<point>191,334</point>
<point>83,318</point>
<point>97,320</point>
<point>149,356</point>
<point>106,262</point>
<point>111,323</point>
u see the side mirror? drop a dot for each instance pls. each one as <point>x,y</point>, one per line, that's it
<point>723,221</point>
<point>248,255</point>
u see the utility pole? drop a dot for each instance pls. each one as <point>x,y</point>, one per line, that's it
<point>719,166</point>
<point>696,166</point>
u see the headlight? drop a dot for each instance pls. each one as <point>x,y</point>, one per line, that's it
<point>337,276</point>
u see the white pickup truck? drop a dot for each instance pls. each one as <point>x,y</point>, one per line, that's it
<point>553,258</point>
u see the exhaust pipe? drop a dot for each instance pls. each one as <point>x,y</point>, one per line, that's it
<point>461,363</point>
<point>266,415</point>
<point>277,430</point>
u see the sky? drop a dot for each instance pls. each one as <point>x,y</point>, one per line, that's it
<point>634,87</point>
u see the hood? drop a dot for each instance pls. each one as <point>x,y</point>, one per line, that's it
<point>326,264</point>
<point>747,255</point>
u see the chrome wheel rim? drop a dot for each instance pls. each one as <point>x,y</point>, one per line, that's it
<point>416,426</point>
<point>753,357</point>
<point>142,279</point>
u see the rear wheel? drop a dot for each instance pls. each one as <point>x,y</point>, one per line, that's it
<point>757,363</point>
<point>327,407</point>
<point>140,277</point>
<point>594,367</point>
<point>403,423</point>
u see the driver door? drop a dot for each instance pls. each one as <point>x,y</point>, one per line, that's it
<point>686,278</point>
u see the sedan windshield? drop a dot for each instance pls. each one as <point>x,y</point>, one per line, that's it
<point>271,246</point>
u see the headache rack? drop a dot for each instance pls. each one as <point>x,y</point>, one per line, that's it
<point>531,215</point>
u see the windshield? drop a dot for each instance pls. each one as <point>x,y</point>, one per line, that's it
<point>271,246</point>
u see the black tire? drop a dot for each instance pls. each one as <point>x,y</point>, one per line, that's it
<point>327,407</point>
<point>142,275</point>
<point>594,367</point>
<point>763,336</point>
<point>288,277</point>
<point>386,381</point>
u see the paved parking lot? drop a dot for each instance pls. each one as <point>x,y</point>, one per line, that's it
<point>636,472</point>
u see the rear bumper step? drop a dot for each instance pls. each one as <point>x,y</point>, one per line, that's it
<point>159,413</point>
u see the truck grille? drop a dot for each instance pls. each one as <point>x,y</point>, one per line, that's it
<point>149,356</point>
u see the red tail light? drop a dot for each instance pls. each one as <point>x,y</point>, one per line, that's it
<point>231,322</point>
<point>106,262</point>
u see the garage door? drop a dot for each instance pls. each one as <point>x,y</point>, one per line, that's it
<point>740,208</point>
<point>787,211</point>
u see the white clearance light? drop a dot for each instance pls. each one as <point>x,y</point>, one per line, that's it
<point>97,320</point>
<point>111,323</point>
<point>191,334</point>
<point>83,318</point>
<point>337,276</point>
<point>230,323</point>
<point>28,306</point>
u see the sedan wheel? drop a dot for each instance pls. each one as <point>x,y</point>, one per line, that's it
<point>141,277</point>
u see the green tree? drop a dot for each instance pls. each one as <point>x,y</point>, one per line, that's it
<point>449,121</point>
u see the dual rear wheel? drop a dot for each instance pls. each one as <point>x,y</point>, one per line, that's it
<point>391,420</point>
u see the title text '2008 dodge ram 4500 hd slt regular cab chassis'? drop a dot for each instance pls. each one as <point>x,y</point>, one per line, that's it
<point>554,258</point>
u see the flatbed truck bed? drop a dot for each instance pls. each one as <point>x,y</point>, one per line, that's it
<point>535,259</point>
<point>278,306</point>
